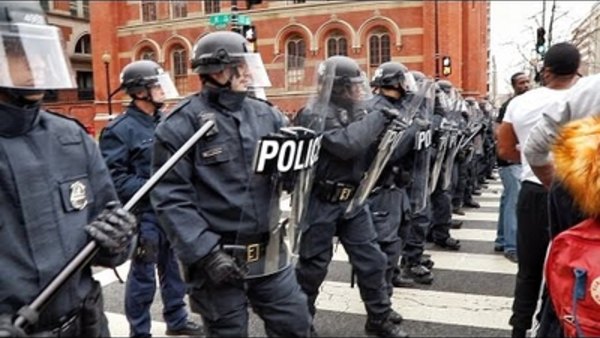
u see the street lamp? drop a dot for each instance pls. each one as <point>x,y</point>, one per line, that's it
<point>106,58</point>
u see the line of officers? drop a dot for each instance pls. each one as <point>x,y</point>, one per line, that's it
<point>221,218</point>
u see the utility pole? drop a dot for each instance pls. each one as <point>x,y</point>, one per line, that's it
<point>551,23</point>
<point>437,43</point>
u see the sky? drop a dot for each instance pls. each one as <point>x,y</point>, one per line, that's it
<point>513,32</point>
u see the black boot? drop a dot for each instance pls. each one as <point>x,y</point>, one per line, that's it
<point>384,328</point>
<point>418,273</point>
<point>518,332</point>
<point>395,317</point>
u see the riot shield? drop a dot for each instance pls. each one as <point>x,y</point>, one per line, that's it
<point>285,161</point>
<point>389,142</point>
<point>419,189</point>
<point>454,140</point>
<point>443,131</point>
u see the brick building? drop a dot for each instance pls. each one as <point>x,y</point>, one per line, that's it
<point>72,17</point>
<point>292,37</point>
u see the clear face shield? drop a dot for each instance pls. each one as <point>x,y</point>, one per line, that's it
<point>409,84</point>
<point>443,101</point>
<point>249,72</point>
<point>163,89</point>
<point>32,57</point>
<point>360,88</point>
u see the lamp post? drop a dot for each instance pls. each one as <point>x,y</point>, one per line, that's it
<point>106,58</point>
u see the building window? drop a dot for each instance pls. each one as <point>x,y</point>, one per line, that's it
<point>45,4</point>
<point>179,60</point>
<point>84,45</point>
<point>85,85</point>
<point>295,55</point>
<point>379,49</point>
<point>337,45</point>
<point>148,10</point>
<point>147,54</point>
<point>212,6</point>
<point>298,1</point>
<point>178,8</point>
<point>79,8</point>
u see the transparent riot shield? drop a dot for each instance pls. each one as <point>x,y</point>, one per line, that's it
<point>454,140</point>
<point>389,142</point>
<point>284,163</point>
<point>419,189</point>
<point>442,127</point>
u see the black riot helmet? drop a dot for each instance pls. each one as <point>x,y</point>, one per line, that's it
<point>142,75</point>
<point>394,75</point>
<point>33,59</point>
<point>346,75</point>
<point>217,51</point>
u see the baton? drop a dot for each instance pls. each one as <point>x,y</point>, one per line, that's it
<point>29,313</point>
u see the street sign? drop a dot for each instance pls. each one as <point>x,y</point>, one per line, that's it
<point>223,19</point>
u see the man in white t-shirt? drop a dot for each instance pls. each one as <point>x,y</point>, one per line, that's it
<point>558,74</point>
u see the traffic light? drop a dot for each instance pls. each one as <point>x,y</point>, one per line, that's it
<point>249,32</point>
<point>541,41</point>
<point>446,66</point>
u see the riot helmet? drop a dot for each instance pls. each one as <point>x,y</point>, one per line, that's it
<point>219,52</point>
<point>394,75</point>
<point>348,82</point>
<point>146,80</point>
<point>419,76</point>
<point>32,58</point>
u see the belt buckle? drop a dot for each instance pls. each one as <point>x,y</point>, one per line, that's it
<point>345,194</point>
<point>252,252</point>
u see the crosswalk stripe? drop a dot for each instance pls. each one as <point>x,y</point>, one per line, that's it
<point>119,326</point>
<point>477,216</point>
<point>483,235</point>
<point>495,193</point>
<point>457,261</point>
<point>489,204</point>
<point>425,306</point>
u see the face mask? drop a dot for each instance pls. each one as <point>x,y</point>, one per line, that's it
<point>227,98</point>
<point>17,120</point>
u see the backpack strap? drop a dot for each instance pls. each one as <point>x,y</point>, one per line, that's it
<point>578,294</point>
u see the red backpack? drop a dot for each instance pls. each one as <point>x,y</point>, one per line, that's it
<point>573,278</point>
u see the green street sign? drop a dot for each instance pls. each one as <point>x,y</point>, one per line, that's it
<point>223,19</point>
<point>219,19</point>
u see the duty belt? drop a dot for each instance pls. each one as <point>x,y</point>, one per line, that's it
<point>335,192</point>
<point>250,248</point>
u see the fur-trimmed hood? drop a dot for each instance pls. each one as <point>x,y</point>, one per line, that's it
<point>577,162</point>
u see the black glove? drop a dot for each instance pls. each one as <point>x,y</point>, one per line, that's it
<point>390,113</point>
<point>8,329</point>
<point>220,268</point>
<point>113,228</point>
<point>421,124</point>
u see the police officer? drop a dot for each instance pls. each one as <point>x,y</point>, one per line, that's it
<point>54,182</point>
<point>348,136</point>
<point>126,144</point>
<point>389,201</point>
<point>215,210</point>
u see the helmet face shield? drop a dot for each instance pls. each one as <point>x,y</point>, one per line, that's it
<point>250,71</point>
<point>166,84</point>
<point>32,57</point>
<point>443,100</point>
<point>409,84</point>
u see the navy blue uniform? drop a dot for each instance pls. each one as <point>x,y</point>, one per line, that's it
<point>54,182</point>
<point>342,161</point>
<point>212,198</point>
<point>126,145</point>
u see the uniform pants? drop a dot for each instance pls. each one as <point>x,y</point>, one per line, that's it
<point>275,298</point>
<point>358,236</point>
<point>441,207</point>
<point>141,282</point>
<point>532,241</point>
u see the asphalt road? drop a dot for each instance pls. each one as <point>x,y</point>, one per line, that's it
<point>471,295</point>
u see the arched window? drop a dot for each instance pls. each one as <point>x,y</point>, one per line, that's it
<point>337,45</point>
<point>379,49</point>
<point>295,56</point>
<point>147,53</point>
<point>179,60</point>
<point>84,45</point>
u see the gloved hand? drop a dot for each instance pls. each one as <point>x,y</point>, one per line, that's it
<point>7,329</point>
<point>390,113</point>
<point>220,268</point>
<point>421,124</point>
<point>113,228</point>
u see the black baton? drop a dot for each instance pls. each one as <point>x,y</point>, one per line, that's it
<point>29,313</point>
